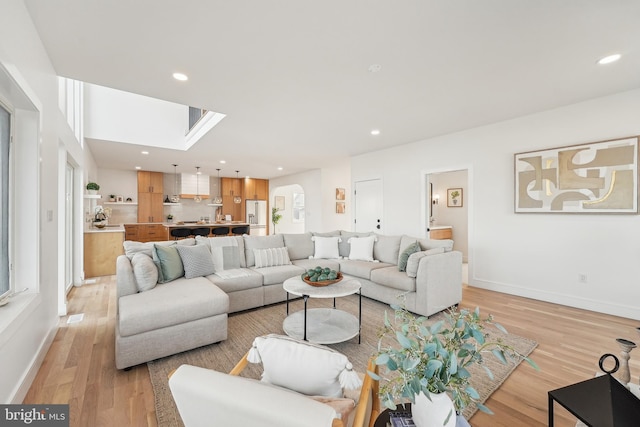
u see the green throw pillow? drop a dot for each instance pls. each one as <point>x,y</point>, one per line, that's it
<point>169,263</point>
<point>404,256</point>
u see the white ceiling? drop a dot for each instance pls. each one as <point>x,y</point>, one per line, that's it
<point>292,76</point>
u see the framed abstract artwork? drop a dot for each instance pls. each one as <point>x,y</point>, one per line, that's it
<point>340,207</point>
<point>598,177</point>
<point>340,194</point>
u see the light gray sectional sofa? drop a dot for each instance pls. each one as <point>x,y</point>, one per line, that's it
<point>168,304</point>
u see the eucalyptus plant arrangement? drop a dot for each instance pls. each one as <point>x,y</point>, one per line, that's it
<point>436,358</point>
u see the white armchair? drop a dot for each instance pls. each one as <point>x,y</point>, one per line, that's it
<point>286,396</point>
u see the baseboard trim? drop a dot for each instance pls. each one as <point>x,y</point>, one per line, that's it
<point>627,311</point>
<point>36,363</point>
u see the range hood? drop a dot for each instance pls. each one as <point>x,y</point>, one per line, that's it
<point>191,183</point>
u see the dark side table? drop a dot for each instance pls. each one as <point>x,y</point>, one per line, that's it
<point>383,418</point>
<point>598,402</point>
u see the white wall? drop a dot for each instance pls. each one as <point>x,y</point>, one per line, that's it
<point>114,115</point>
<point>533,255</point>
<point>25,339</point>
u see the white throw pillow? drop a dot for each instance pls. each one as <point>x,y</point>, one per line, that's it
<point>414,260</point>
<point>361,248</point>
<point>145,272</point>
<point>326,247</point>
<point>271,257</point>
<point>225,253</point>
<point>301,366</point>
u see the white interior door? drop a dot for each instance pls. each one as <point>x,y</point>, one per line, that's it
<point>368,206</point>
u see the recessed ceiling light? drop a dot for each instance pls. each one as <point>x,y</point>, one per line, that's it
<point>280,168</point>
<point>609,59</point>
<point>223,161</point>
<point>180,76</point>
<point>138,167</point>
<point>375,132</point>
<point>145,152</point>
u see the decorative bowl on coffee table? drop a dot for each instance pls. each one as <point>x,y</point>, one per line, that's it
<point>323,282</point>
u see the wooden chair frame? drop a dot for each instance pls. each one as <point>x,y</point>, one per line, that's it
<point>369,389</point>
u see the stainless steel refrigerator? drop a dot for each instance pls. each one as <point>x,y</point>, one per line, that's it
<point>257,217</point>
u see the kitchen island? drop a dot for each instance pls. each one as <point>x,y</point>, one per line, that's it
<point>101,248</point>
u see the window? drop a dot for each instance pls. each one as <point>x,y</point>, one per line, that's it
<point>195,114</point>
<point>298,207</point>
<point>5,138</point>
<point>70,95</point>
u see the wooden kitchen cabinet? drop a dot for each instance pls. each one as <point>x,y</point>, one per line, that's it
<point>150,182</point>
<point>100,252</point>
<point>131,232</point>
<point>231,187</point>
<point>256,189</point>
<point>145,232</point>
<point>150,197</point>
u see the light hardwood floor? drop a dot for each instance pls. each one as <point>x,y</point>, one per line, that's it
<point>79,367</point>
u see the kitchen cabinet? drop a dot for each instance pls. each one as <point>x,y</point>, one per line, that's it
<point>256,189</point>
<point>145,232</point>
<point>100,252</point>
<point>150,182</point>
<point>150,196</point>
<point>231,187</point>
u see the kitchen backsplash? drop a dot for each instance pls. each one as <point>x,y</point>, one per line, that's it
<point>187,210</point>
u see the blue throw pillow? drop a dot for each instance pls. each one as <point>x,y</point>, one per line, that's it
<point>169,263</point>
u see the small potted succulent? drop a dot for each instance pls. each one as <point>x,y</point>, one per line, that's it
<point>92,188</point>
<point>112,197</point>
<point>428,362</point>
<point>170,218</point>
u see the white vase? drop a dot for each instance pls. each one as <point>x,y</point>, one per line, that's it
<point>434,412</point>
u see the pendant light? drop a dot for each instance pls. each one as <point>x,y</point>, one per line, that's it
<point>237,199</point>
<point>197,199</point>
<point>175,198</point>
<point>217,200</point>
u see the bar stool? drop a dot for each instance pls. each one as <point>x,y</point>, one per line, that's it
<point>240,230</point>
<point>180,233</point>
<point>219,231</point>
<point>201,231</point>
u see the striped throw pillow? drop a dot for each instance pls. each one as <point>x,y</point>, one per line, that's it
<point>271,257</point>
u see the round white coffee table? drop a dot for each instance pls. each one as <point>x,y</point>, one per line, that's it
<point>323,325</point>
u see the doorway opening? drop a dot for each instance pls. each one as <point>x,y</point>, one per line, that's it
<point>288,202</point>
<point>448,201</point>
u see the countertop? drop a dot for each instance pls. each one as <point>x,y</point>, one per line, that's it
<point>206,224</point>
<point>440,227</point>
<point>115,228</point>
